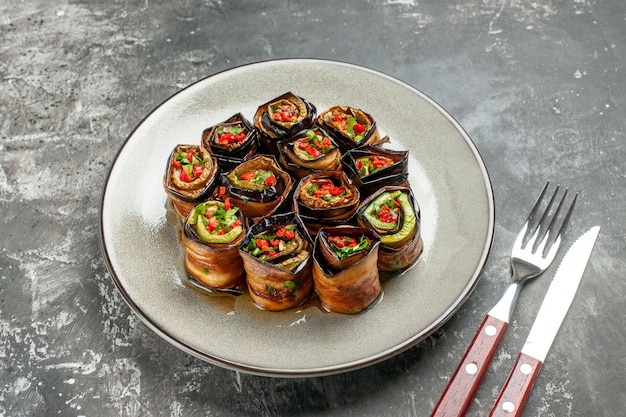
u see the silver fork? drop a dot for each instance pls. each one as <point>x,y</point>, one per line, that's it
<point>534,250</point>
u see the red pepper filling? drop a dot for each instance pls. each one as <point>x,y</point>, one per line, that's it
<point>286,113</point>
<point>227,135</point>
<point>314,145</point>
<point>258,177</point>
<point>345,246</point>
<point>350,127</point>
<point>342,241</point>
<point>370,164</point>
<point>189,164</point>
<point>326,190</point>
<point>266,246</point>
<point>388,212</point>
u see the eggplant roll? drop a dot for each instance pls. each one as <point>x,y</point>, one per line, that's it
<point>325,199</point>
<point>212,233</point>
<point>309,151</point>
<point>373,167</point>
<point>345,273</point>
<point>277,257</point>
<point>258,186</point>
<point>393,213</point>
<point>283,117</point>
<point>231,141</point>
<point>190,177</point>
<point>349,126</point>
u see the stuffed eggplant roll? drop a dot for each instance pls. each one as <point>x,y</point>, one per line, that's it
<point>258,186</point>
<point>277,258</point>
<point>349,126</point>
<point>326,198</point>
<point>282,117</point>
<point>393,213</point>
<point>231,141</point>
<point>373,167</point>
<point>345,273</point>
<point>212,233</point>
<point>311,150</point>
<point>190,177</point>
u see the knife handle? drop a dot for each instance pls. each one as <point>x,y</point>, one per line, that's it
<point>517,387</point>
<point>464,382</point>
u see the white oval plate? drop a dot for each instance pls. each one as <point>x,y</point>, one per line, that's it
<point>141,244</point>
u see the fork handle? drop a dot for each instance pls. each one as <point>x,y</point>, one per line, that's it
<point>461,389</point>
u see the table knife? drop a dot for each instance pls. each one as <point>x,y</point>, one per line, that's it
<point>553,309</point>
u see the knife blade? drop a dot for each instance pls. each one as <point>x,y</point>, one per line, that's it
<point>554,307</point>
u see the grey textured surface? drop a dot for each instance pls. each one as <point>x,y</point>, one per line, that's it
<point>539,86</point>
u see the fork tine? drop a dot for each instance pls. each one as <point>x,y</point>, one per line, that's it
<point>555,242</point>
<point>566,219</point>
<point>541,229</point>
<point>529,231</point>
<point>546,232</point>
<point>554,245</point>
<point>540,235</point>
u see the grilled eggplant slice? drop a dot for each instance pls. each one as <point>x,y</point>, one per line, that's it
<point>212,233</point>
<point>350,127</point>
<point>277,257</point>
<point>393,213</point>
<point>231,141</point>
<point>190,177</point>
<point>325,199</point>
<point>258,186</point>
<point>373,167</point>
<point>283,117</point>
<point>345,272</point>
<point>309,151</point>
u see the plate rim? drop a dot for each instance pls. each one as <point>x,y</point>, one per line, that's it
<point>329,369</point>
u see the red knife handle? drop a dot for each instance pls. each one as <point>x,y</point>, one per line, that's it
<point>517,387</point>
<point>461,389</point>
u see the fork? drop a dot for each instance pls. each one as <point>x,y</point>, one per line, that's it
<point>533,251</point>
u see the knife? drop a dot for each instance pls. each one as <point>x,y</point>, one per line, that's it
<point>553,309</point>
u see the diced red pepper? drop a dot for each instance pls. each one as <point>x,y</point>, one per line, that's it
<point>336,191</point>
<point>176,164</point>
<point>184,177</point>
<point>385,215</point>
<point>262,244</point>
<point>281,232</point>
<point>227,203</point>
<point>269,181</point>
<point>212,225</point>
<point>290,234</point>
<point>358,128</point>
<point>234,224</point>
<point>221,191</point>
<point>312,151</point>
<point>197,170</point>
<point>190,155</point>
<point>248,175</point>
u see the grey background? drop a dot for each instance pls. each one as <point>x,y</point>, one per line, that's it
<point>539,86</point>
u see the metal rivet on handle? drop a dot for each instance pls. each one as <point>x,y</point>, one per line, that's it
<point>508,406</point>
<point>490,330</point>
<point>471,368</point>
<point>526,368</point>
